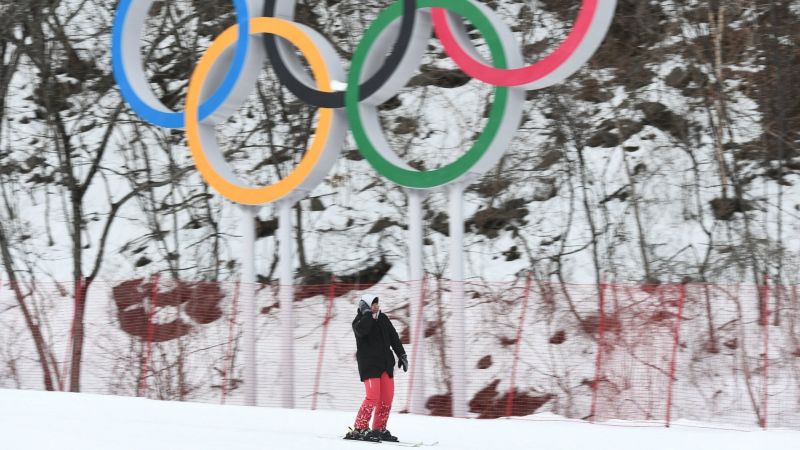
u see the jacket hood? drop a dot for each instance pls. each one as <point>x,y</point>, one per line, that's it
<point>369,298</point>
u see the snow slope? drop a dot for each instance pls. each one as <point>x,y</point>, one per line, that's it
<point>45,420</point>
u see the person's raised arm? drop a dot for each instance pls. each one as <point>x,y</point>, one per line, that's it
<point>363,324</point>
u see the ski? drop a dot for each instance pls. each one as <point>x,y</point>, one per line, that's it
<point>411,444</point>
<point>395,443</point>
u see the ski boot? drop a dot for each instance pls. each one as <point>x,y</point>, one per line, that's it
<point>385,435</point>
<point>362,435</point>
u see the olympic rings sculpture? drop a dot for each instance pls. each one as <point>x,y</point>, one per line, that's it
<point>228,72</point>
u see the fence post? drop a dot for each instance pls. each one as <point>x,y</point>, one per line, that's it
<point>600,345</point>
<point>512,388</point>
<point>150,334</point>
<point>765,356</point>
<point>417,341</point>
<point>228,369</point>
<point>286,292</point>
<point>676,334</point>
<point>325,326</point>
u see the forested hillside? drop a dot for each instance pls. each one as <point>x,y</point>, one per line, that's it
<point>672,155</point>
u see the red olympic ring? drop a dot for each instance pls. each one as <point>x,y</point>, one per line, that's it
<point>523,75</point>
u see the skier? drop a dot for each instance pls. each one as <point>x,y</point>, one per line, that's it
<point>374,335</point>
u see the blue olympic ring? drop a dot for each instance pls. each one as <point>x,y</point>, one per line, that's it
<point>169,119</point>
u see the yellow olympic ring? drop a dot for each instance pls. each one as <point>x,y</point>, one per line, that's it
<point>194,128</point>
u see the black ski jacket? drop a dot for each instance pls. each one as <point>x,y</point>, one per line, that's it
<point>373,338</point>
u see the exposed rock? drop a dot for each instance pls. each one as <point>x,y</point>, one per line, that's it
<point>391,104</point>
<point>592,91</point>
<point>143,261</point>
<point>558,338</point>
<point>266,228</point>
<point>689,80</point>
<point>405,125</point>
<point>441,223</point>
<point>490,186</point>
<point>725,208</point>
<point>491,404</point>
<point>491,221</point>
<point>353,155</point>
<point>443,78</point>
<point>507,341</point>
<point>658,115</point>
<point>440,405</point>
<point>603,139</point>
<point>548,159</point>
<point>200,302</point>
<point>382,224</point>
<point>317,205</point>
<point>316,280</point>
<point>512,254</point>
<point>431,328</point>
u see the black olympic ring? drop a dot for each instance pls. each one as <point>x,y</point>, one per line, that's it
<point>335,100</point>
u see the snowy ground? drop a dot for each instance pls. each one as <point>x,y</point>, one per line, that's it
<point>31,420</point>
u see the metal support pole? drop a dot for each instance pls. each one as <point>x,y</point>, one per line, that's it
<point>248,301</point>
<point>676,340</point>
<point>598,362</point>
<point>286,265</point>
<point>416,273</point>
<point>456,329</point>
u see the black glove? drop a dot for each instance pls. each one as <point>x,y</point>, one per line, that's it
<point>364,307</point>
<point>402,363</point>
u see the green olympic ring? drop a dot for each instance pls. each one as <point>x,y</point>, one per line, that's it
<point>487,147</point>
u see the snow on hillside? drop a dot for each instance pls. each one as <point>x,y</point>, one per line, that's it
<point>614,172</point>
<point>44,421</point>
<point>627,146</point>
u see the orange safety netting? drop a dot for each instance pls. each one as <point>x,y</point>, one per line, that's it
<point>711,353</point>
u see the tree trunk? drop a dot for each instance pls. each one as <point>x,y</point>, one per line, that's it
<point>81,287</point>
<point>36,332</point>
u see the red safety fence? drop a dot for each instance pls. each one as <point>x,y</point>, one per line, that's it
<point>702,352</point>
